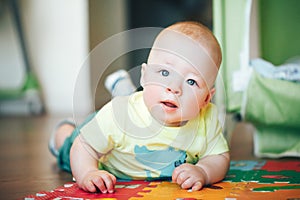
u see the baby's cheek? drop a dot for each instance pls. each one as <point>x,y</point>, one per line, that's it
<point>191,109</point>
<point>149,95</point>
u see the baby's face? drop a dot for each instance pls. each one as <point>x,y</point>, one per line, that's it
<point>174,91</point>
<point>175,88</point>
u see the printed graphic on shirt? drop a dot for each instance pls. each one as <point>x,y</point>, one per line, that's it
<point>163,161</point>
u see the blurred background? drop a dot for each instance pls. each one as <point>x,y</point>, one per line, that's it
<point>50,69</point>
<point>45,45</point>
<point>46,65</point>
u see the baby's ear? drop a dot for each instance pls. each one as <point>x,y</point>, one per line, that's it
<point>143,69</point>
<point>212,92</point>
<point>210,95</point>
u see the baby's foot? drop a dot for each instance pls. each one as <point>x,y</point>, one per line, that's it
<point>119,83</point>
<point>63,130</point>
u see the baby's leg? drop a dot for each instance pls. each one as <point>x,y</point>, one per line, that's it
<point>66,135</point>
<point>62,132</point>
<point>63,158</point>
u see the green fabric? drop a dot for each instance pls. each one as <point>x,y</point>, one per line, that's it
<point>279,33</point>
<point>280,30</point>
<point>276,141</point>
<point>273,107</point>
<point>272,102</point>
<point>230,27</point>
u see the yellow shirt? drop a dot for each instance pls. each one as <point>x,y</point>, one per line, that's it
<point>135,146</point>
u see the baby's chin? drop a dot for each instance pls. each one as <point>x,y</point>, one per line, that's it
<point>171,123</point>
<point>170,119</point>
<point>163,119</point>
<point>176,124</point>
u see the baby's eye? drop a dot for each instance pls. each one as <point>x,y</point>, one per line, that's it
<point>191,82</point>
<point>164,72</point>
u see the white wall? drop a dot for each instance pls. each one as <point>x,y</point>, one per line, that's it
<point>56,33</point>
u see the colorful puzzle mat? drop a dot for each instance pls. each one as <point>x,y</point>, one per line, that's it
<point>245,180</point>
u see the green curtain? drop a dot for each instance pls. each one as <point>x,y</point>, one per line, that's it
<point>230,25</point>
<point>272,106</point>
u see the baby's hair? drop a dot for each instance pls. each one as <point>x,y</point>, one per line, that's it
<point>201,34</point>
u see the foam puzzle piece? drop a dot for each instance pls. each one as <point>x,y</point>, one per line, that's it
<point>276,165</point>
<point>247,165</point>
<point>245,180</point>
<point>167,190</point>
<point>264,172</point>
<point>223,190</point>
<point>123,191</point>
<point>262,176</point>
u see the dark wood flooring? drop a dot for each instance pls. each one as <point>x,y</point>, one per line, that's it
<point>28,167</point>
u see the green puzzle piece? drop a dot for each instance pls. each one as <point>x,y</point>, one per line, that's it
<point>263,176</point>
<point>274,188</point>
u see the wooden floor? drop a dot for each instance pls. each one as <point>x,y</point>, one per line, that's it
<point>28,167</point>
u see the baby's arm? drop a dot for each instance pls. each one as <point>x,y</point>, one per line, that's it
<point>208,170</point>
<point>84,165</point>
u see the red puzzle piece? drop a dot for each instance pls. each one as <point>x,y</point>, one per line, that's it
<point>123,191</point>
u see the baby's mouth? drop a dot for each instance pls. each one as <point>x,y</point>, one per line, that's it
<point>169,104</point>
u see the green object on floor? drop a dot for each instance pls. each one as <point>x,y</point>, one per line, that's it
<point>30,83</point>
<point>272,102</point>
<point>274,141</point>
<point>273,107</point>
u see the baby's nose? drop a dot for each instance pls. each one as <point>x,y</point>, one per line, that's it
<point>174,88</point>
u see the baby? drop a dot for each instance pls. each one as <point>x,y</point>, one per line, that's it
<point>168,131</point>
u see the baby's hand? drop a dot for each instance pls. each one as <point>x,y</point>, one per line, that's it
<point>98,179</point>
<point>189,176</point>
